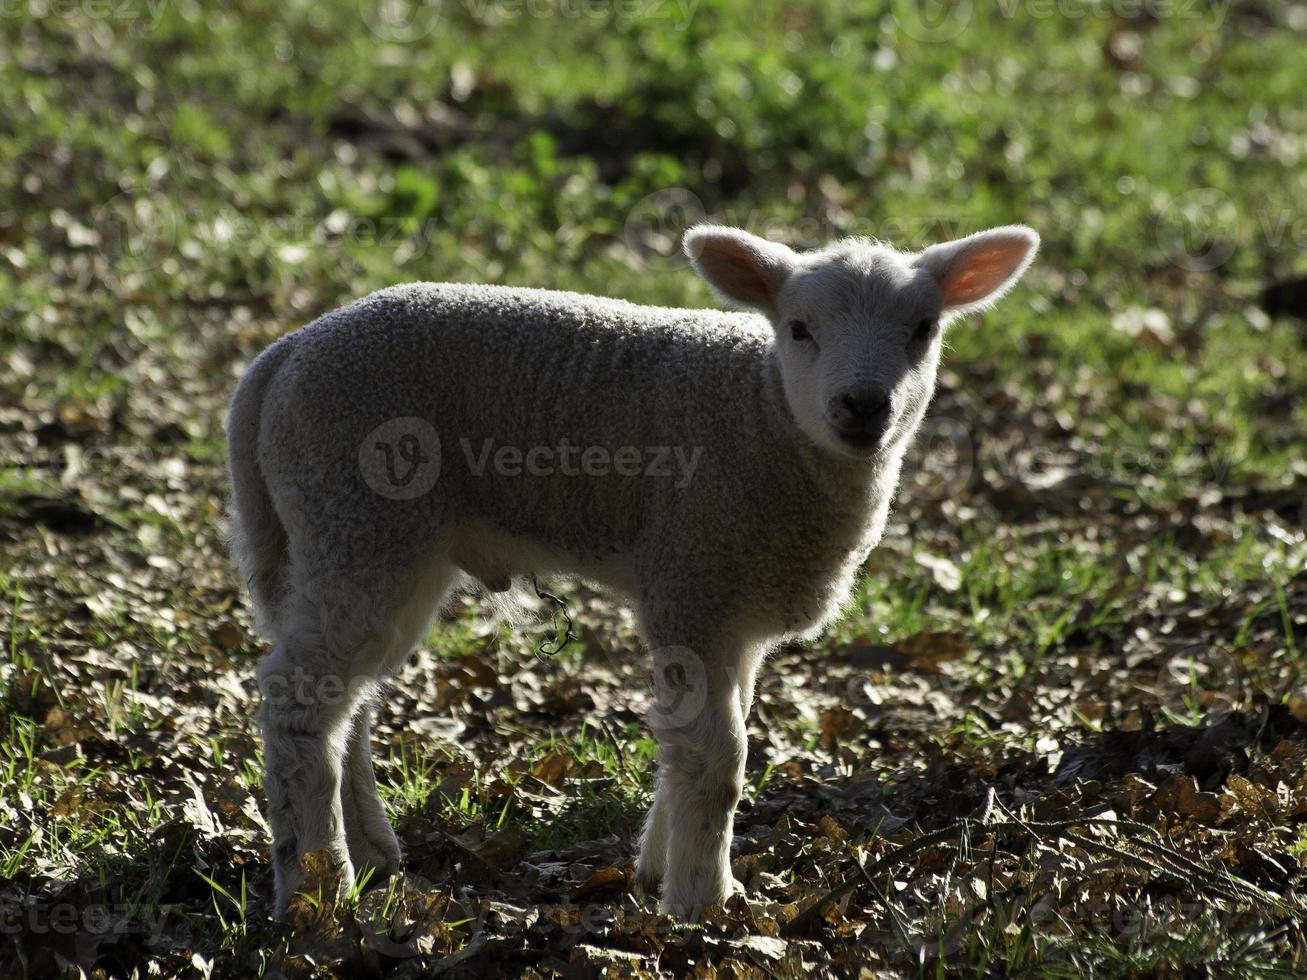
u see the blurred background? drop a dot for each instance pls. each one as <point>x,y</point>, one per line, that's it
<point>1090,600</point>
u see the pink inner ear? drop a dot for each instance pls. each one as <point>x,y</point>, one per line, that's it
<point>981,270</point>
<point>737,270</point>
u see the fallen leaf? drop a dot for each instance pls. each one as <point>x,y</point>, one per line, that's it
<point>1179,795</point>
<point>927,651</point>
<point>838,724</point>
<point>601,880</point>
<point>553,768</point>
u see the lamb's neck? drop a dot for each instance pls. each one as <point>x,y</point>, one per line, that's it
<point>850,484</point>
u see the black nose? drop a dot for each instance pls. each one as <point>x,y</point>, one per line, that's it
<point>868,405</point>
<point>860,415</point>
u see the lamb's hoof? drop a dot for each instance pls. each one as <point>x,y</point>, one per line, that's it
<point>322,874</point>
<point>378,859</point>
<point>688,906</point>
<point>688,912</point>
<point>649,872</point>
<point>647,883</point>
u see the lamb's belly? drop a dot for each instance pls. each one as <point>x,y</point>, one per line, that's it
<point>495,556</point>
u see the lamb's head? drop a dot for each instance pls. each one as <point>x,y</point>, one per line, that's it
<point>858,324</point>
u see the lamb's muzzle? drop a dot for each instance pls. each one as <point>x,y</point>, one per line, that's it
<point>861,416</point>
<point>726,473</point>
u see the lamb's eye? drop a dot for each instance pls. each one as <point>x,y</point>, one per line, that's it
<point>799,330</point>
<point>924,330</point>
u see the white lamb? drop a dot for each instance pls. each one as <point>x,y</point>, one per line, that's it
<point>726,473</point>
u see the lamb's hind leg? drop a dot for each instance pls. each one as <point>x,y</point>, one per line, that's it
<point>368,834</point>
<point>305,715</point>
<point>340,639</point>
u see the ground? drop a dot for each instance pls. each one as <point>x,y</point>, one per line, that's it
<point>1063,729</point>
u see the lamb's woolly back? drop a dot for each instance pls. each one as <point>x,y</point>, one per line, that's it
<point>440,304</point>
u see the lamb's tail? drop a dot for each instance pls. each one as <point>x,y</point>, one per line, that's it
<point>257,536</point>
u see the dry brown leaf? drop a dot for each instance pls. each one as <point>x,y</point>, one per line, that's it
<point>312,909</point>
<point>602,880</point>
<point>1243,797</point>
<point>1179,795</point>
<point>227,636</point>
<point>838,724</point>
<point>1298,706</point>
<point>828,827</point>
<point>927,651</point>
<point>553,769</point>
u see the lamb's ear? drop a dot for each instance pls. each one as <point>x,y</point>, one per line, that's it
<point>974,272</point>
<point>743,268</point>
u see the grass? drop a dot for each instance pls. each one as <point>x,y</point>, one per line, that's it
<point>1109,516</point>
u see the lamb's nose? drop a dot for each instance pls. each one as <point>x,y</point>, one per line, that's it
<point>860,415</point>
<point>866,404</point>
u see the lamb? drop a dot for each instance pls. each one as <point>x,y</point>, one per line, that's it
<point>435,437</point>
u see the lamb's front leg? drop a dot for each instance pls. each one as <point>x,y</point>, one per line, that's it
<point>698,720</point>
<point>652,862</point>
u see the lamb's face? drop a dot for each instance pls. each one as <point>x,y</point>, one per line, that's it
<point>858,341</point>
<point>858,325</point>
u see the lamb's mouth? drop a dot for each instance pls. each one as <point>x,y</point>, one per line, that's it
<point>861,442</point>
